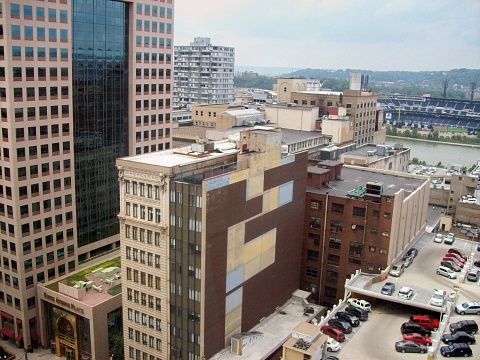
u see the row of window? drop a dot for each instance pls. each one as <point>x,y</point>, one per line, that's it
<point>143,257</point>
<point>31,113</point>
<point>33,151</point>
<point>145,339</point>
<point>152,87</point>
<point>141,189</point>
<point>152,148</point>
<point>37,224</point>
<point>17,72</point>
<point>27,12</point>
<point>140,355</point>
<point>13,300</point>
<point>35,207</point>
<point>145,320</point>
<point>152,119</point>
<point>152,104</point>
<point>146,73</point>
<point>33,131</point>
<point>12,281</point>
<point>154,42</point>
<point>18,93</point>
<point>141,277</point>
<point>152,134</point>
<point>38,243</point>
<point>147,9</point>
<point>141,297</point>
<point>154,26</point>
<point>53,33</point>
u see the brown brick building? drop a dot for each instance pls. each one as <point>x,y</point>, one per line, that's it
<point>362,219</point>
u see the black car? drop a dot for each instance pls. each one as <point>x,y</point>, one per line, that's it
<point>458,337</point>
<point>469,326</point>
<point>459,349</point>
<point>451,265</point>
<point>341,325</point>
<point>361,314</point>
<point>388,288</point>
<point>409,328</point>
<point>351,319</point>
<point>413,252</point>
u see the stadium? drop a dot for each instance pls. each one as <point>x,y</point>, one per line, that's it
<point>430,113</point>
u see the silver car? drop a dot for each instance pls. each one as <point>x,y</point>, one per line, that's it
<point>469,307</point>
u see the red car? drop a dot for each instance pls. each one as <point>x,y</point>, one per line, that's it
<point>455,256</point>
<point>458,263</point>
<point>333,333</point>
<point>428,322</point>
<point>420,339</point>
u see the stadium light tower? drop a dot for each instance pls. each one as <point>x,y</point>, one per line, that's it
<point>473,86</point>
<point>445,85</point>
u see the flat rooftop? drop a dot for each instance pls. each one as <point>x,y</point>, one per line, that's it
<point>320,92</point>
<point>276,328</point>
<point>353,177</point>
<point>362,152</point>
<point>110,281</point>
<point>290,136</point>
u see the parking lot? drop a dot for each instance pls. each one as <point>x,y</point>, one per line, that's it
<point>375,338</point>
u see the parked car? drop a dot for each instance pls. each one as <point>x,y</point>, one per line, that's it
<point>397,269</point>
<point>469,307</point>
<point>450,239</point>
<point>405,292</point>
<point>421,339</point>
<point>341,325</point>
<point>458,337</point>
<point>451,265</point>
<point>438,238</point>
<point>473,275</point>
<point>333,332</point>
<point>349,318</point>
<point>360,313</point>
<point>388,288</point>
<point>477,263</point>
<point>333,345</point>
<point>438,297</point>
<point>332,358</point>
<point>445,271</point>
<point>455,256</point>
<point>469,326</point>
<point>362,304</point>
<point>458,252</point>
<point>456,350</point>
<point>455,261</point>
<point>410,347</point>
<point>413,252</point>
<point>408,328</point>
<point>427,321</point>
<point>407,260</point>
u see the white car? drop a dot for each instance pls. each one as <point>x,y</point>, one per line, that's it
<point>438,238</point>
<point>405,292</point>
<point>360,303</point>
<point>438,298</point>
<point>332,344</point>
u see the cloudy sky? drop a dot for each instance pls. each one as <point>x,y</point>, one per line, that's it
<point>337,34</point>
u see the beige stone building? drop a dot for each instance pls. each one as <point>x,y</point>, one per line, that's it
<point>293,117</point>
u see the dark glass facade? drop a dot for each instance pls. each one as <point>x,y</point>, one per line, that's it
<point>100,101</point>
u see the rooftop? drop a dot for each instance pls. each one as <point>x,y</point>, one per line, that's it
<point>290,136</point>
<point>363,152</point>
<point>92,285</point>
<point>353,177</point>
<point>276,329</point>
<point>320,92</point>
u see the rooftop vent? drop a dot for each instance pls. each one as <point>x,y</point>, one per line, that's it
<point>302,344</point>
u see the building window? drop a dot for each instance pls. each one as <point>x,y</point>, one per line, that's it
<point>332,276</point>
<point>336,226</point>
<point>316,205</point>
<point>330,292</point>
<point>356,249</point>
<point>337,208</point>
<point>335,243</point>
<point>311,272</point>
<point>315,238</point>
<point>358,211</point>
<point>314,222</point>
<point>333,259</point>
<point>312,255</point>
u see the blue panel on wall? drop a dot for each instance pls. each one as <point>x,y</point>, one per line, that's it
<point>218,182</point>
<point>233,300</point>
<point>288,160</point>
<point>285,193</point>
<point>234,278</point>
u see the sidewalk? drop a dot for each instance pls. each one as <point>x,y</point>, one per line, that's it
<point>38,354</point>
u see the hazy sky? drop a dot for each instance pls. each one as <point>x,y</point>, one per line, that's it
<point>337,34</point>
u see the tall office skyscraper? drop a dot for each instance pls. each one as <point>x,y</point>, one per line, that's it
<point>82,82</point>
<point>203,73</point>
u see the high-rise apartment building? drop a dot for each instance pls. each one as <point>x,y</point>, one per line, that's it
<point>210,242</point>
<point>81,83</point>
<point>203,73</point>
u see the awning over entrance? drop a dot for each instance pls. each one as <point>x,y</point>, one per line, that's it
<point>33,320</point>
<point>18,321</point>
<point>19,337</point>
<point>7,332</point>
<point>6,316</point>
<point>34,336</point>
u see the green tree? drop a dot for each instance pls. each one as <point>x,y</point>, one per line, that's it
<point>439,164</point>
<point>394,131</point>
<point>415,133</point>
<point>118,353</point>
<point>389,130</point>
<point>415,160</point>
<point>429,136</point>
<point>407,133</point>
<point>436,135</point>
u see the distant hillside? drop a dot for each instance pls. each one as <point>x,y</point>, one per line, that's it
<point>434,79</point>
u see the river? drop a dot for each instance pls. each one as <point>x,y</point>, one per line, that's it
<point>433,152</point>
